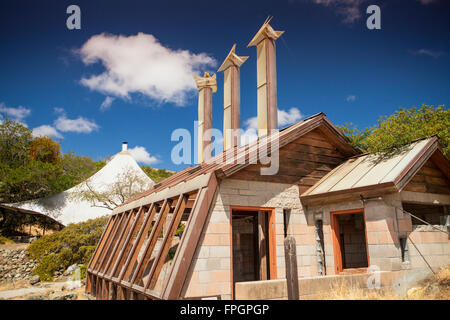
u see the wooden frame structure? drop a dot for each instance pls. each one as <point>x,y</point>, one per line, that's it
<point>131,256</point>
<point>338,266</point>
<point>271,233</point>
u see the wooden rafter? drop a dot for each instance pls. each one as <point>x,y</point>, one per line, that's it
<point>125,273</point>
<point>160,258</point>
<point>127,244</point>
<point>127,250</point>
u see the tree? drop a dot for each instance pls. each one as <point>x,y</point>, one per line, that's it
<point>34,180</point>
<point>157,175</point>
<point>391,133</point>
<point>15,140</point>
<point>45,149</point>
<point>128,184</point>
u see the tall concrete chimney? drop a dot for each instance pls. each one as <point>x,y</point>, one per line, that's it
<point>206,86</point>
<point>231,98</point>
<point>264,40</point>
<point>124,146</point>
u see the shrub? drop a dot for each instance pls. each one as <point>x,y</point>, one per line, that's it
<point>83,269</point>
<point>74,244</point>
<point>4,240</point>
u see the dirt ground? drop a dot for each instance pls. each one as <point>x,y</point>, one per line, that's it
<point>16,246</point>
<point>434,287</point>
<point>22,289</point>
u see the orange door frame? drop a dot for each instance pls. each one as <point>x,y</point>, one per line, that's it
<point>338,267</point>
<point>272,237</point>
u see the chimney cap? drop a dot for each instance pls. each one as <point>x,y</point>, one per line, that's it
<point>206,81</point>
<point>232,59</point>
<point>266,31</point>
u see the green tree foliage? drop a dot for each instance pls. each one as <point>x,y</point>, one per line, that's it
<point>74,244</point>
<point>401,128</point>
<point>15,140</point>
<point>157,175</point>
<point>32,168</point>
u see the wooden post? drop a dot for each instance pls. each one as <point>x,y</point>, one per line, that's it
<point>112,291</point>
<point>290,254</point>
<point>231,99</point>
<point>264,40</point>
<point>206,85</point>
<point>262,245</point>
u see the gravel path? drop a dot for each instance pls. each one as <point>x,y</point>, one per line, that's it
<point>20,292</point>
<point>46,286</point>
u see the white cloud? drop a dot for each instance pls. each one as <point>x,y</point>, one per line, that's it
<point>427,52</point>
<point>46,130</point>
<point>288,117</point>
<point>425,2</point>
<point>141,64</point>
<point>350,98</point>
<point>79,125</point>
<point>106,104</point>
<point>59,111</point>
<point>349,10</point>
<point>250,130</point>
<point>140,154</point>
<point>17,114</point>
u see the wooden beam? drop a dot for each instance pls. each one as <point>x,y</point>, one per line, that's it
<point>101,242</point>
<point>184,255</point>
<point>132,255</point>
<point>262,245</point>
<point>114,240</point>
<point>119,240</point>
<point>167,240</point>
<point>152,239</point>
<point>139,217</point>
<point>98,263</point>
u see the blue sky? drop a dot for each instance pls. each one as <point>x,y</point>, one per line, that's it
<point>327,61</point>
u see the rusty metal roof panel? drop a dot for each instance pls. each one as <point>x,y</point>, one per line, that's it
<point>370,170</point>
<point>409,155</point>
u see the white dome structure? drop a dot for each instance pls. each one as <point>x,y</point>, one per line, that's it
<point>67,208</point>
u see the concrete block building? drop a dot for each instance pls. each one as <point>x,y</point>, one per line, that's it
<point>205,230</point>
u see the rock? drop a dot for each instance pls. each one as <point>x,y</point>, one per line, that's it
<point>35,279</point>
<point>71,296</point>
<point>415,292</point>
<point>63,296</point>
<point>70,269</point>
<point>36,297</point>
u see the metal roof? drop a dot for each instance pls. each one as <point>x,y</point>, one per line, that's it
<point>370,171</point>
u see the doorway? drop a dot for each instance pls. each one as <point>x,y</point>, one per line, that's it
<point>253,246</point>
<point>349,241</point>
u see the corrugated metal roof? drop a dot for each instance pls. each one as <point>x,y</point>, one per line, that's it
<point>370,170</point>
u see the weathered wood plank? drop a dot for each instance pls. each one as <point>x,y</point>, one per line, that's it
<point>127,243</point>
<point>153,237</point>
<point>165,246</point>
<point>132,255</point>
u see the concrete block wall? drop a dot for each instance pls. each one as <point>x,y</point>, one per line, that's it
<point>428,248</point>
<point>384,226</point>
<point>210,271</point>
<point>313,287</point>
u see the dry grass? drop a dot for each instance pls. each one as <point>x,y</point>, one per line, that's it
<point>434,287</point>
<point>344,292</point>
